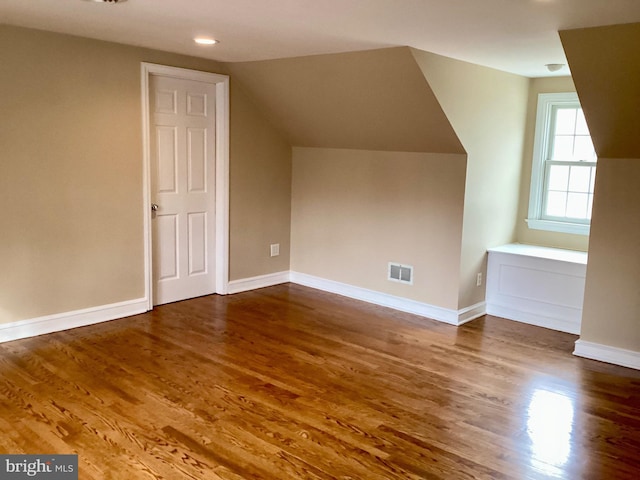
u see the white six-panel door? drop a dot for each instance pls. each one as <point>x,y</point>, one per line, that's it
<point>182,151</point>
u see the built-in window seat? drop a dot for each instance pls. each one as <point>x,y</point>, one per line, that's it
<point>537,285</point>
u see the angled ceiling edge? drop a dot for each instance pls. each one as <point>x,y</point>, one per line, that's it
<point>367,100</point>
<point>605,64</point>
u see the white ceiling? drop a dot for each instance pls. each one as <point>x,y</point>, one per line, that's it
<point>518,36</point>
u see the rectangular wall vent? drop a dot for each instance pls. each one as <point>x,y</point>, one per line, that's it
<point>400,273</point>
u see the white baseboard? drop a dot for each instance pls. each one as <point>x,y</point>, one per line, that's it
<point>261,281</point>
<point>605,353</point>
<point>103,313</point>
<point>533,318</point>
<point>452,317</point>
<point>471,313</point>
<point>74,319</point>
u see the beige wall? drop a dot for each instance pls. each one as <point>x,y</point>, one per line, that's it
<point>353,211</point>
<point>71,174</point>
<point>381,100</point>
<point>611,312</point>
<point>487,109</point>
<point>354,120</point>
<point>71,170</point>
<point>260,191</point>
<point>605,63</point>
<point>524,233</point>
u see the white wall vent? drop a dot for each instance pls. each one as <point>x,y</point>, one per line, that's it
<point>400,273</point>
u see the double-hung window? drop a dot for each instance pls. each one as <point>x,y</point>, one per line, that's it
<point>564,166</point>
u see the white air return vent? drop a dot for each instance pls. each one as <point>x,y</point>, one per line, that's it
<point>401,273</point>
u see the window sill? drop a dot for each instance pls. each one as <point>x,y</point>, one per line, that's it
<point>561,227</point>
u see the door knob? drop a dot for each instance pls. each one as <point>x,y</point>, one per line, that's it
<point>154,207</point>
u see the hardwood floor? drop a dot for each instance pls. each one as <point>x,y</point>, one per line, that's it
<point>289,382</point>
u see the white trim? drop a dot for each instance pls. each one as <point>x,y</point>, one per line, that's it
<point>539,147</point>
<point>540,252</point>
<point>104,313</point>
<point>146,187</point>
<point>222,185</point>
<point>534,318</point>
<point>222,171</point>
<point>471,313</point>
<point>546,103</point>
<point>73,319</point>
<point>452,317</point>
<point>261,281</point>
<point>605,353</point>
<point>561,227</point>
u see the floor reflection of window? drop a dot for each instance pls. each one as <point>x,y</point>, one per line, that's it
<point>549,425</point>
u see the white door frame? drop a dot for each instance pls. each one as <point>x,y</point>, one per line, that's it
<point>221,83</point>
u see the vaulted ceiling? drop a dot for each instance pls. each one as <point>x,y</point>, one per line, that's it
<point>518,36</point>
<point>371,100</point>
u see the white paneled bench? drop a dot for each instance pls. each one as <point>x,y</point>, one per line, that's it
<point>537,285</point>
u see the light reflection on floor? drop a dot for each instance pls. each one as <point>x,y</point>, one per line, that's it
<point>550,418</point>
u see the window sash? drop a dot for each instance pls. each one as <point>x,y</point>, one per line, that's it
<point>551,136</point>
<point>546,189</point>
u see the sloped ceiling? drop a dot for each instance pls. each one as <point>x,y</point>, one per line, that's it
<point>518,36</point>
<point>605,63</point>
<point>368,100</point>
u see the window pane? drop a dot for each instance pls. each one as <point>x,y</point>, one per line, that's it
<point>556,204</point>
<point>579,179</point>
<point>593,179</point>
<point>577,204</point>
<point>562,148</point>
<point>581,124</point>
<point>565,121</point>
<point>558,177</point>
<point>583,149</point>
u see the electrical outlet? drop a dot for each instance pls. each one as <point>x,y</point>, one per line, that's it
<point>479,280</point>
<point>275,249</point>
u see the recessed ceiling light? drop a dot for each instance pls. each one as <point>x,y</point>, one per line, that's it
<point>205,41</point>
<point>106,1</point>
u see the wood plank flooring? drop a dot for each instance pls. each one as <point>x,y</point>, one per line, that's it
<point>292,383</point>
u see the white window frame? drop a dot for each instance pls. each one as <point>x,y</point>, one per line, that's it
<point>535,220</point>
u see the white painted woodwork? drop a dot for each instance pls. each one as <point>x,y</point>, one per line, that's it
<point>537,285</point>
<point>199,104</point>
<point>197,243</point>
<point>182,151</point>
<point>166,101</point>
<point>197,158</point>
<point>434,312</point>
<point>607,353</point>
<point>167,159</point>
<point>64,321</point>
